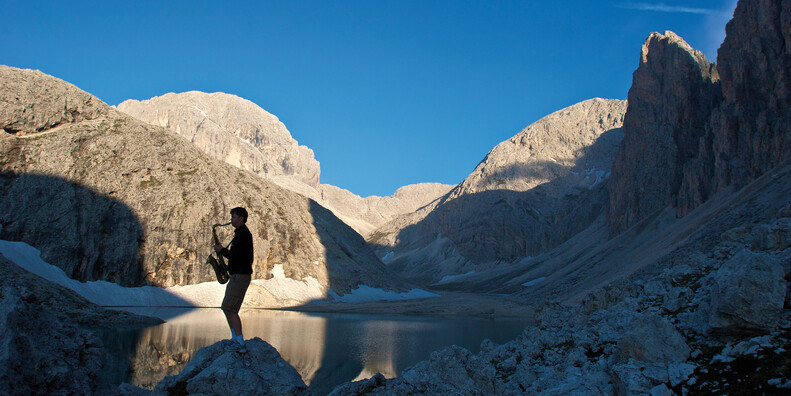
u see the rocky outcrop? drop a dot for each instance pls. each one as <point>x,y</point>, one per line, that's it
<point>673,93</point>
<point>238,132</point>
<point>46,342</point>
<point>693,129</point>
<point>33,103</point>
<point>231,129</point>
<point>529,194</point>
<point>216,371</point>
<point>113,198</point>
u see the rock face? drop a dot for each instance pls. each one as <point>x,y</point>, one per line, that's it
<point>576,143</point>
<point>231,129</point>
<point>529,194</point>
<point>214,371</point>
<point>113,198</point>
<point>688,133</point>
<point>750,133</point>
<point>649,168</point>
<point>240,133</point>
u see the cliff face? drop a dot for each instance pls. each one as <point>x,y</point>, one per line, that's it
<point>648,169</point>
<point>693,128</point>
<point>231,129</point>
<point>529,194</point>
<point>751,132</point>
<point>113,198</point>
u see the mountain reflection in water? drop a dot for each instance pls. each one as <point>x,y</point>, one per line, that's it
<point>326,349</point>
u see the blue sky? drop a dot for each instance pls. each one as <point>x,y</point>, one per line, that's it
<point>386,93</point>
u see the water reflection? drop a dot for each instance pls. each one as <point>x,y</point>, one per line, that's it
<point>326,349</point>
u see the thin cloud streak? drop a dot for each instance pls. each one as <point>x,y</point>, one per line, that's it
<point>662,7</point>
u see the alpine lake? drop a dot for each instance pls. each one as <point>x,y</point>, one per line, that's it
<point>327,349</point>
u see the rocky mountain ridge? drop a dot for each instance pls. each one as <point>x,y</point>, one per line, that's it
<point>232,129</point>
<point>107,197</point>
<point>529,194</point>
<point>240,133</point>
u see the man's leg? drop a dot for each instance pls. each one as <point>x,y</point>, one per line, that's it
<point>234,322</point>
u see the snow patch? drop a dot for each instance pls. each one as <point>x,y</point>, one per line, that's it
<point>598,174</point>
<point>206,294</point>
<point>448,278</point>
<point>365,293</point>
<point>98,292</point>
<point>282,287</point>
<point>534,281</point>
<point>388,256</point>
<point>201,111</point>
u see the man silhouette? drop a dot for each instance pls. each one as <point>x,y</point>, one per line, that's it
<point>240,267</point>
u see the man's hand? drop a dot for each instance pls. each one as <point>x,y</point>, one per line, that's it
<point>217,248</point>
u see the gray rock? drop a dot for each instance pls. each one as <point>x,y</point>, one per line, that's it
<point>748,295</point>
<point>776,236</point>
<point>216,371</point>
<point>652,339</point>
<point>126,389</point>
<point>679,372</point>
<point>633,377</point>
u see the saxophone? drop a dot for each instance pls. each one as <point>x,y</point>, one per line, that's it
<point>220,269</point>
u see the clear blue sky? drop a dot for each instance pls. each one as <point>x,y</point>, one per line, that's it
<point>386,93</point>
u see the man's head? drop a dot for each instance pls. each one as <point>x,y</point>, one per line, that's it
<point>238,216</point>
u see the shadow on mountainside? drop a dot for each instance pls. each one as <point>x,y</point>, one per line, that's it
<point>482,230</point>
<point>600,154</point>
<point>90,236</point>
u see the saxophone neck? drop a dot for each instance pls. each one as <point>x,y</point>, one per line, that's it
<point>214,231</point>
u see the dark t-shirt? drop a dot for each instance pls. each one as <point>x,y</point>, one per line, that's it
<point>240,252</point>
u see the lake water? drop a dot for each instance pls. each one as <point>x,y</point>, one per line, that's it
<point>326,349</point>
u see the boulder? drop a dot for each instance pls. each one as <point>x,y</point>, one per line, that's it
<point>215,371</point>
<point>748,295</point>
<point>652,339</point>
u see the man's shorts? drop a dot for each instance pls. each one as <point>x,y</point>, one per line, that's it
<point>234,292</point>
